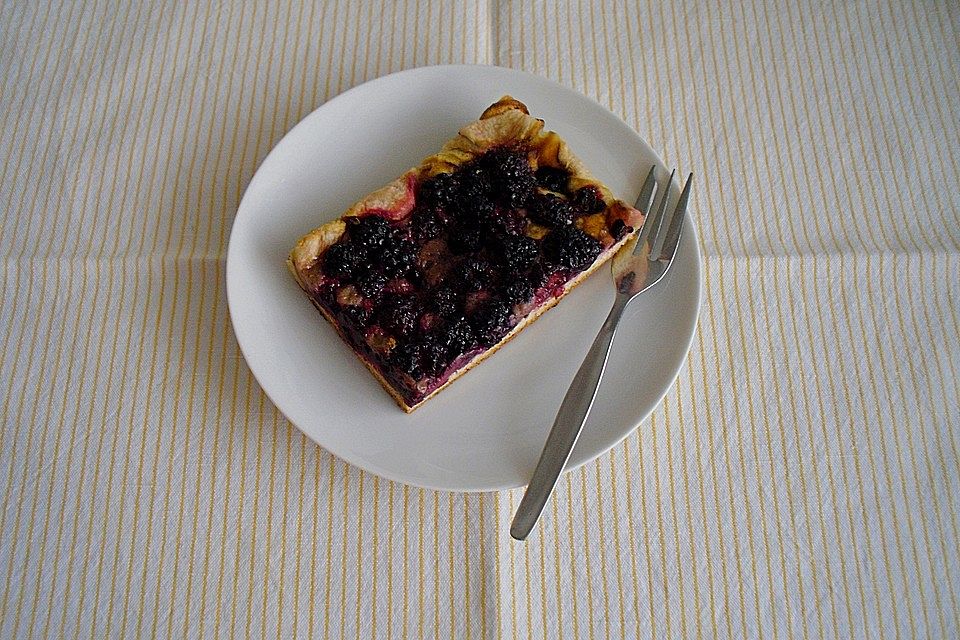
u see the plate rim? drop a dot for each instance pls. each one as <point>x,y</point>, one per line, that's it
<point>690,231</point>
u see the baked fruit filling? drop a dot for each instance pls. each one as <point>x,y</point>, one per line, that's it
<point>433,272</point>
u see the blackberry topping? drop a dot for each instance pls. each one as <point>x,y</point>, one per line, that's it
<point>489,321</point>
<point>465,238</point>
<point>571,248</point>
<point>342,259</point>
<point>446,302</point>
<point>397,256</point>
<point>538,276</point>
<point>358,315</point>
<point>588,200</point>
<point>458,339</point>
<point>552,211</point>
<point>433,355</point>
<point>406,358</point>
<point>440,190</point>
<point>506,223</point>
<point>552,178</point>
<point>518,292</point>
<point>474,199</point>
<point>426,224</point>
<point>619,229</point>
<point>368,231</point>
<point>400,315</point>
<point>473,274</point>
<point>371,284</point>
<point>511,175</point>
<point>518,252</point>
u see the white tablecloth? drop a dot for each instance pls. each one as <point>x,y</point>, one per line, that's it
<point>800,480</point>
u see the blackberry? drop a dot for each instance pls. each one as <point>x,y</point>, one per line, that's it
<point>342,259</point>
<point>425,225</point>
<point>505,223</point>
<point>458,339</point>
<point>464,238</point>
<point>368,231</point>
<point>538,276</point>
<point>552,211</point>
<point>489,321</point>
<point>518,292</point>
<point>588,200</point>
<point>358,315</point>
<point>406,358</point>
<point>371,284</point>
<point>446,302</point>
<point>571,248</point>
<point>511,176</point>
<point>474,199</point>
<point>440,190</point>
<point>518,252</point>
<point>619,229</point>
<point>473,274</point>
<point>552,178</point>
<point>400,315</point>
<point>397,256</point>
<point>433,355</point>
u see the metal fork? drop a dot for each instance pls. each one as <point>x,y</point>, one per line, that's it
<point>634,272</point>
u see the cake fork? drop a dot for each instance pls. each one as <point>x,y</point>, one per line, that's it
<point>635,269</point>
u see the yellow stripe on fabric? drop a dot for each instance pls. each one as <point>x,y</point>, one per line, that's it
<point>513,577</point>
<point>481,542</point>
<point>328,563</point>
<point>18,122</point>
<point>190,401</point>
<point>752,312</point>
<point>155,347</point>
<point>452,614</point>
<point>830,377</point>
<point>62,424</point>
<point>526,577</point>
<point>234,400</point>
<point>845,306</point>
<point>122,389</point>
<point>737,413</point>
<point>729,320</point>
<point>123,377</point>
<point>497,557</point>
<point>542,548</point>
<point>466,561</point>
<point>262,423</point>
<point>896,441</point>
<point>913,462</point>
<point>809,418</point>
<point>218,412</point>
<point>25,455</point>
<point>913,375</point>
<point>406,556</point>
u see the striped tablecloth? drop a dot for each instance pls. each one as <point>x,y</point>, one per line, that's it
<point>800,480</point>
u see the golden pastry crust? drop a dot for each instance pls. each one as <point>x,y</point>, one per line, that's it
<point>505,122</point>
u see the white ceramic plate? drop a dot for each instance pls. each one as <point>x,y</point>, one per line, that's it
<point>486,430</point>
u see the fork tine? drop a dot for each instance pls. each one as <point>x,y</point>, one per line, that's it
<point>651,226</point>
<point>645,199</point>
<point>672,238</point>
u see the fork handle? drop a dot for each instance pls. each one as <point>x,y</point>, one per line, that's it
<point>567,426</point>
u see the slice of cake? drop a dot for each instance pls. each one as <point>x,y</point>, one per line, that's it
<point>431,274</point>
